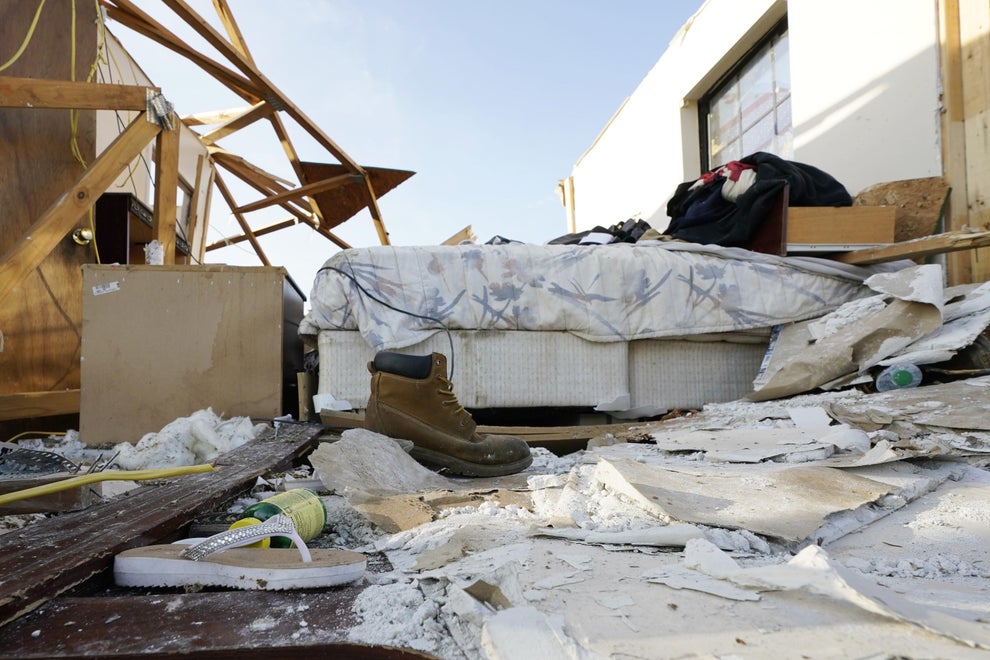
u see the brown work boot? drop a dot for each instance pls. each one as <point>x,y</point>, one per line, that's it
<point>411,398</point>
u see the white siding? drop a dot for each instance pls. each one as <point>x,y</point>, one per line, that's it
<point>865,94</point>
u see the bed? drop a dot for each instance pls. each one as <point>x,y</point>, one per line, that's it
<point>631,330</point>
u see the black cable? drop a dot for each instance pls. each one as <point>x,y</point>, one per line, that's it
<point>351,277</point>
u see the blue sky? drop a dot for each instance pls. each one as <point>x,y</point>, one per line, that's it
<point>489,103</point>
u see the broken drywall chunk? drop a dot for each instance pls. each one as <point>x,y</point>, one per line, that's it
<point>784,502</point>
<point>812,570</point>
<point>680,577</point>
<point>525,632</point>
<point>366,462</point>
<point>748,445</point>
<point>798,362</point>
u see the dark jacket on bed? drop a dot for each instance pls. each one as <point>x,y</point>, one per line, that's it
<point>702,215</point>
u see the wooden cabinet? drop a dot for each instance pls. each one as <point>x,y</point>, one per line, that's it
<point>161,342</point>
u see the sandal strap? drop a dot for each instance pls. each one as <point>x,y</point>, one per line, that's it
<point>279,525</point>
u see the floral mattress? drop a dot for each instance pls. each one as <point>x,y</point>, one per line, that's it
<point>399,296</point>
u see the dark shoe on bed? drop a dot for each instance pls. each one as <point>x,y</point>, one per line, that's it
<point>411,398</point>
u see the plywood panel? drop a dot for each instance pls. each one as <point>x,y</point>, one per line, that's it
<point>41,320</point>
<point>161,342</point>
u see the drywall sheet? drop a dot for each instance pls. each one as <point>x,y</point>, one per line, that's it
<point>161,342</point>
<point>788,503</point>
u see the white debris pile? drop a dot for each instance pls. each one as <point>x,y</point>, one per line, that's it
<point>192,440</point>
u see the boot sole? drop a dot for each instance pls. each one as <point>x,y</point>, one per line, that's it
<point>462,468</point>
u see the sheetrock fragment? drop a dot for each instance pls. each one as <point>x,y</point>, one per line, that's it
<point>813,571</point>
<point>525,632</point>
<point>737,497</point>
<point>366,462</point>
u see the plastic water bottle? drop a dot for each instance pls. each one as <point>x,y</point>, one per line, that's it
<point>898,376</point>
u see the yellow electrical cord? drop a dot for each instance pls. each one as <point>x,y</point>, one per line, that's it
<point>27,38</point>
<point>109,475</point>
<point>44,433</point>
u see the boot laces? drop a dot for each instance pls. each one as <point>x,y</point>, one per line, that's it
<point>447,389</point>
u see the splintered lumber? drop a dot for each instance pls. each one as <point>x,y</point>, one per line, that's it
<point>45,559</point>
<point>951,241</point>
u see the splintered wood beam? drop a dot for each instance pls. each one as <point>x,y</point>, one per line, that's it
<point>245,227</point>
<point>248,117</point>
<point>126,13</point>
<point>39,93</point>
<point>301,191</point>
<point>952,241</point>
<point>269,91</point>
<point>61,217</point>
<point>166,182</point>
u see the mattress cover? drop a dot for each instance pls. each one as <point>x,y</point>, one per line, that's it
<point>398,296</point>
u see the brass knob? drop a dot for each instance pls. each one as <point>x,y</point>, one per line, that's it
<point>82,236</point>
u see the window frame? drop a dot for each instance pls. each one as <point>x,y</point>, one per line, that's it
<point>704,105</point>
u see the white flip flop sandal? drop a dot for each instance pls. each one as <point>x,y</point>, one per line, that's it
<point>220,561</point>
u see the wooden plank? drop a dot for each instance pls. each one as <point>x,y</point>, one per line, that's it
<point>466,234</point>
<point>212,117</point>
<point>61,217</point>
<point>301,191</point>
<point>199,188</point>
<point>974,26</point>
<point>261,231</point>
<point>248,117</point>
<point>269,91</point>
<point>28,405</point>
<point>129,15</point>
<point>953,135</point>
<point>166,182</point>
<point>846,225</point>
<point>245,227</point>
<point>213,624</point>
<point>261,181</point>
<point>293,156</point>
<point>231,28</point>
<point>35,93</point>
<point>53,555</point>
<point>70,499</point>
<point>920,247</point>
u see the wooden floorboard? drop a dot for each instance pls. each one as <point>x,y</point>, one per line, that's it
<point>47,558</point>
<point>166,623</point>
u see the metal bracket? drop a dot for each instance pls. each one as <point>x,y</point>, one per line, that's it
<point>159,110</point>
